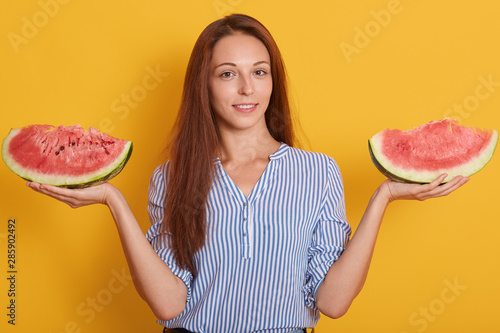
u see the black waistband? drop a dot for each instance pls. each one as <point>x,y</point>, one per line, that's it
<point>182,330</point>
<point>175,330</point>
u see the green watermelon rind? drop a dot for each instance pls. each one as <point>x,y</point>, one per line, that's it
<point>100,176</point>
<point>396,173</point>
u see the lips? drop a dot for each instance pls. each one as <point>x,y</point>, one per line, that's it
<point>245,108</point>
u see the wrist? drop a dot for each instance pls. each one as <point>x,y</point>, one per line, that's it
<point>383,193</point>
<point>110,195</point>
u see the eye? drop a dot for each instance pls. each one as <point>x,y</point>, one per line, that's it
<point>260,72</point>
<point>227,75</point>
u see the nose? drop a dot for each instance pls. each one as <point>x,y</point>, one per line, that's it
<point>246,86</point>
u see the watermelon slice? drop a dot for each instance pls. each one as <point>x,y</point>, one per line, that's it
<point>422,154</point>
<point>66,156</point>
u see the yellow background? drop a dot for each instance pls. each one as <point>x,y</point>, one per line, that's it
<point>356,67</point>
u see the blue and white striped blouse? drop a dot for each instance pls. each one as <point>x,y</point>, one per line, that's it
<point>265,255</point>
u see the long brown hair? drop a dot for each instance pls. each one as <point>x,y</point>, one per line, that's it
<point>195,136</point>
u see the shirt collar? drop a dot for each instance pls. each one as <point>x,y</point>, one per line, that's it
<point>282,150</point>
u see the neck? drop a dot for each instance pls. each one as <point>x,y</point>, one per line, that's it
<point>246,145</point>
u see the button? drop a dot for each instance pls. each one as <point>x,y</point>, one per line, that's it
<point>244,219</point>
<point>244,234</point>
<point>244,204</point>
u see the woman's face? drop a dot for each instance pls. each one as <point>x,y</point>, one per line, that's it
<point>240,83</point>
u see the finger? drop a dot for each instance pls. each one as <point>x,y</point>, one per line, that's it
<point>439,180</point>
<point>47,189</point>
<point>447,188</point>
<point>454,185</point>
<point>68,196</point>
<point>425,189</point>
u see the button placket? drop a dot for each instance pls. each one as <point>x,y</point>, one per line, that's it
<point>245,231</point>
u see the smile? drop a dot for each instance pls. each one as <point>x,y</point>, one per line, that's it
<point>245,107</point>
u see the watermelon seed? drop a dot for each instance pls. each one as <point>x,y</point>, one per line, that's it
<point>57,153</point>
<point>61,148</point>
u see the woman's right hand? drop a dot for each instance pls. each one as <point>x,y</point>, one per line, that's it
<point>99,194</point>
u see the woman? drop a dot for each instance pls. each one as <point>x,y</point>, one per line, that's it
<point>248,233</point>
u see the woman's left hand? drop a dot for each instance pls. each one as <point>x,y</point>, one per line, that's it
<point>405,191</point>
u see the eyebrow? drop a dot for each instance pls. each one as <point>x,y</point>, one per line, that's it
<point>234,65</point>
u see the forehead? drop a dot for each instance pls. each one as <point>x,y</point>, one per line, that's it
<point>239,48</point>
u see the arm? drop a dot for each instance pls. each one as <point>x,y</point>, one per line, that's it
<point>347,275</point>
<point>164,292</point>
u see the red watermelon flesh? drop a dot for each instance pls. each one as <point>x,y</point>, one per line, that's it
<point>422,154</point>
<point>65,156</point>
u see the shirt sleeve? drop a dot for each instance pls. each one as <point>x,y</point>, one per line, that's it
<point>331,234</point>
<point>159,239</point>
